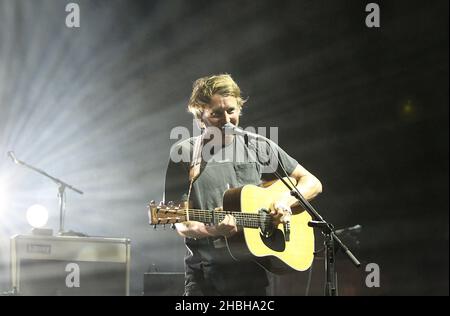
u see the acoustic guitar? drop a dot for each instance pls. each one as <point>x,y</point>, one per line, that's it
<point>259,240</point>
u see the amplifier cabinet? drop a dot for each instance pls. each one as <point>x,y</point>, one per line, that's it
<point>67,265</point>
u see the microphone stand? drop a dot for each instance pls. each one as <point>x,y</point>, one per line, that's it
<point>318,222</point>
<point>330,241</point>
<point>61,189</point>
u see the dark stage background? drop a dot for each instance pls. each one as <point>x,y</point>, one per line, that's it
<point>364,109</point>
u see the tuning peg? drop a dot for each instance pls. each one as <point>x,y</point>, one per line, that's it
<point>173,226</point>
<point>170,204</point>
<point>164,226</point>
<point>151,205</point>
<point>154,227</point>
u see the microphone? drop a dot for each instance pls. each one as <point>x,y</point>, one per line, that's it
<point>234,130</point>
<point>13,157</point>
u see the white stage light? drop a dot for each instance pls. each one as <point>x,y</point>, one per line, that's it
<point>37,216</point>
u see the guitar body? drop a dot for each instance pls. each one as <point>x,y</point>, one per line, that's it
<point>273,253</point>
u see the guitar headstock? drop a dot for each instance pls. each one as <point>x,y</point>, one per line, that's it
<point>161,214</point>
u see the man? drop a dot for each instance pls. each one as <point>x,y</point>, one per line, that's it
<point>219,161</point>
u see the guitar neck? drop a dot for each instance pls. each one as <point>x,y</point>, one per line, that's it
<point>247,220</point>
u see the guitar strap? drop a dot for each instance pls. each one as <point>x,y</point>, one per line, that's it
<point>194,168</point>
<point>194,172</point>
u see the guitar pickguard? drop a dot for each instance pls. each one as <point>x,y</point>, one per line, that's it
<point>275,241</point>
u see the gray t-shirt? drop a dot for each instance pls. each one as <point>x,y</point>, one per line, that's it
<point>245,161</point>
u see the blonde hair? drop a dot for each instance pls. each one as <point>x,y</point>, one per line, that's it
<point>205,87</point>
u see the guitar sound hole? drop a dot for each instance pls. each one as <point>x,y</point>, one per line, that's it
<point>275,241</point>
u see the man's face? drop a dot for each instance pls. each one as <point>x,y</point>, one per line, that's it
<point>221,110</point>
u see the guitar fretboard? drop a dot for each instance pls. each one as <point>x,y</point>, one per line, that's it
<point>214,217</point>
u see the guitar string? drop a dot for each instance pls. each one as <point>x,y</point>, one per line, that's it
<point>244,218</point>
<point>247,218</point>
<point>207,214</point>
